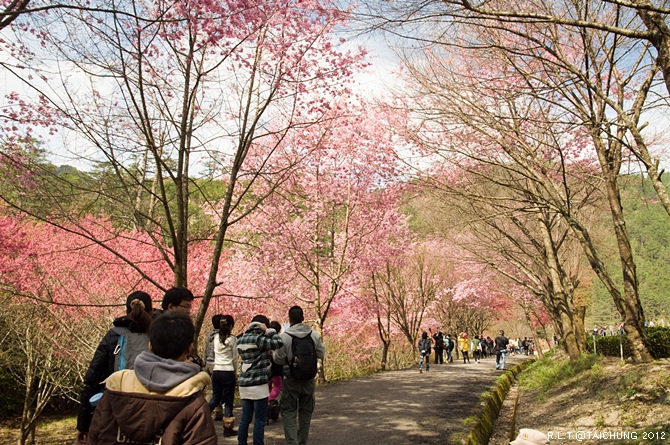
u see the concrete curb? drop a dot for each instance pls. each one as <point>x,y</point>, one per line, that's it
<point>481,432</point>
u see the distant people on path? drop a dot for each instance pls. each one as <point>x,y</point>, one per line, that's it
<point>137,320</point>
<point>161,400</point>
<point>490,345</point>
<point>301,349</point>
<point>255,347</point>
<point>464,346</point>
<point>484,346</point>
<point>438,338</point>
<point>224,373</point>
<point>476,349</point>
<point>449,345</point>
<point>424,351</point>
<point>501,343</point>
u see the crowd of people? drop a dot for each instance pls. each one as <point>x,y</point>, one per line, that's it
<point>146,384</point>
<point>443,347</point>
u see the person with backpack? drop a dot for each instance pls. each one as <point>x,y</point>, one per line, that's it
<point>424,351</point>
<point>255,348</point>
<point>105,361</point>
<point>161,400</point>
<point>224,373</point>
<point>302,349</point>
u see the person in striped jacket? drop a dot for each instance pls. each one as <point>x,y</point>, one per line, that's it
<point>255,348</point>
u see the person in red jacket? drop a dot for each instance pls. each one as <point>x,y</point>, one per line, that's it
<point>161,401</point>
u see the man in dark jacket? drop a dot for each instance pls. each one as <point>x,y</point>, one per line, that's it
<point>501,343</point>
<point>439,347</point>
<point>161,400</point>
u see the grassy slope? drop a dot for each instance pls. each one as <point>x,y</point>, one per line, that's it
<point>596,395</point>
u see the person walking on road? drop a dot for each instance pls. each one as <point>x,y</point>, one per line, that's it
<point>501,343</point>
<point>224,373</point>
<point>464,346</point>
<point>439,347</point>
<point>255,348</point>
<point>302,346</point>
<point>424,351</point>
<point>449,345</point>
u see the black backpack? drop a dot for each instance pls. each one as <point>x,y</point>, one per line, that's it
<point>303,364</point>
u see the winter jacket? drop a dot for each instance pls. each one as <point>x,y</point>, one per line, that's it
<point>424,345</point>
<point>463,344</point>
<point>160,401</point>
<point>284,355</point>
<point>101,367</point>
<point>501,343</point>
<point>255,348</point>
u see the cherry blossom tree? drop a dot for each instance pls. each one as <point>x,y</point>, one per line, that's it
<point>170,107</point>
<point>310,238</point>
<point>542,111</point>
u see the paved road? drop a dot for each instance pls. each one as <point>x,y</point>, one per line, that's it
<point>397,407</point>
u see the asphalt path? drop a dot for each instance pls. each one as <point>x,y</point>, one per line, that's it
<point>395,407</point>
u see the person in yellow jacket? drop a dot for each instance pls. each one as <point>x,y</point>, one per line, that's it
<point>160,401</point>
<point>464,346</point>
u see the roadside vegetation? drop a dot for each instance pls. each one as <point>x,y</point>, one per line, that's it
<point>596,394</point>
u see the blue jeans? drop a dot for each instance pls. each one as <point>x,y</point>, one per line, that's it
<point>223,391</point>
<point>500,359</point>
<point>427,359</point>
<point>258,409</point>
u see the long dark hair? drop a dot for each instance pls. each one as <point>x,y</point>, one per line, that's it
<point>226,326</point>
<point>138,311</point>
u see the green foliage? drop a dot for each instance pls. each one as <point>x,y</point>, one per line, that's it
<point>647,223</point>
<point>545,374</point>
<point>611,346</point>
<point>658,343</point>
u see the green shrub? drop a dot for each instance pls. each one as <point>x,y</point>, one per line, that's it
<point>611,346</point>
<point>658,343</point>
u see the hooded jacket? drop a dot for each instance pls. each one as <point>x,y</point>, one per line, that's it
<point>284,355</point>
<point>160,401</point>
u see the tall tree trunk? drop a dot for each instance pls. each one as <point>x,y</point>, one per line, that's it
<point>558,295</point>
<point>628,304</point>
<point>580,327</point>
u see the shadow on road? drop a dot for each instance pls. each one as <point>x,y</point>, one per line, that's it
<point>397,407</point>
